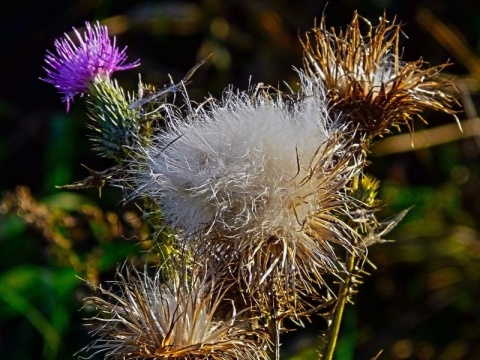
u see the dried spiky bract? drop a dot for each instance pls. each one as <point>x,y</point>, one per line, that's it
<point>149,318</point>
<point>365,80</point>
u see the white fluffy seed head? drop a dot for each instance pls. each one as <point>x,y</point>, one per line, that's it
<point>240,165</point>
<point>260,179</point>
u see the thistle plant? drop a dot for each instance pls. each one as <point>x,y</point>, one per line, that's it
<point>264,193</point>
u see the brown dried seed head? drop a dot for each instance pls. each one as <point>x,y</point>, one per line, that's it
<point>147,318</point>
<point>365,80</point>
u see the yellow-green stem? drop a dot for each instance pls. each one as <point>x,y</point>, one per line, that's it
<point>338,312</point>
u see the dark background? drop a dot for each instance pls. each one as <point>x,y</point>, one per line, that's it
<point>422,301</point>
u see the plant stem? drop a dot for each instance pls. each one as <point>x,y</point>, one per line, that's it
<point>338,312</point>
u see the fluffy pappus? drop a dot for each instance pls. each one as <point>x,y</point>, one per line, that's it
<point>258,175</point>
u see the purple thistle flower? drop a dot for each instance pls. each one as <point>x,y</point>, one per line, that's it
<point>76,65</point>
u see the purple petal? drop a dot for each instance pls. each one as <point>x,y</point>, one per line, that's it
<point>77,63</point>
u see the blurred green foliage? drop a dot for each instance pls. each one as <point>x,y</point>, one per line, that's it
<point>421,301</point>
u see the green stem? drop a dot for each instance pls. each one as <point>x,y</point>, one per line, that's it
<point>338,312</point>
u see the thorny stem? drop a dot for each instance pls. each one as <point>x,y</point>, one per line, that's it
<point>338,312</point>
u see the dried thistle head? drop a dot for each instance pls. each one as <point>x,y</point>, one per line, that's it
<point>151,318</point>
<point>264,180</point>
<point>365,80</point>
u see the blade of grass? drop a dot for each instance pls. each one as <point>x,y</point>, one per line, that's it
<point>35,317</point>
